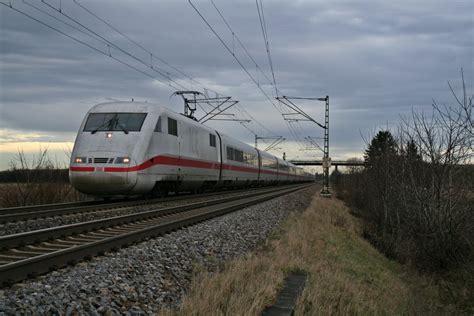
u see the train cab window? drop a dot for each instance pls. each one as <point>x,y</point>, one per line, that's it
<point>130,121</point>
<point>212,140</point>
<point>127,122</point>
<point>172,126</point>
<point>158,125</point>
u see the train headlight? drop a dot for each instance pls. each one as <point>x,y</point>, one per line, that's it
<point>80,160</point>
<point>108,135</point>
<point>122,160</point>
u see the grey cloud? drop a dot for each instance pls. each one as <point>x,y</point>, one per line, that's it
<point>376,59</point>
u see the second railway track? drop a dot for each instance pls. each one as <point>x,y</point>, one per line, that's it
<point>37,252</point>
<point>16,214</point>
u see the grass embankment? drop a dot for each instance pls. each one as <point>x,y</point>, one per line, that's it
<point>346,274</point>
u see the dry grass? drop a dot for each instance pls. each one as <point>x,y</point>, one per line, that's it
<point>346,274</point>
<point>22,194</point>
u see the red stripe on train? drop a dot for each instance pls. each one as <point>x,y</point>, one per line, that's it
<point>82,169</point>
<point>165,160</point>
<point>176,161</point>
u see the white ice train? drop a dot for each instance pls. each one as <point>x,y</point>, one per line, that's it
<point>135,148</point>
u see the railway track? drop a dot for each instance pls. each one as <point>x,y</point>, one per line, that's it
<point>37,252</point>
<point>16,214</point>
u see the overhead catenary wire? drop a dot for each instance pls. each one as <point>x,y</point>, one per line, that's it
<point>294,107</point>
<point>240,43</point>
<point>234,35</point>
<point>106,52</point>
<point>261,17</point>
<point>160,72</point>
<point>152,55</point>
<point>86,44</point>
<point>64,22</point>
<point>104,41</point>
<point>205,89</point>
<point>232,53</point>
<point>186,75</point>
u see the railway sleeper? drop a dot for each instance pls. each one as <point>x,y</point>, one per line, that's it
<point>89,237</point>
<point>141,225</point>
<point>27,252</point>
<point>119,230</point>
<point>58,246</point>
<point>12,257</point>
<point>41,248</point>
<point>81,240</point>
<point>127,226</point>
<point>102,234</point>
<point>138,227</point>
<point>67,243</point>
<point>118,243</point>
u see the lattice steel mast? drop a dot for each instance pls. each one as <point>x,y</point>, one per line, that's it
<point>299,115</point>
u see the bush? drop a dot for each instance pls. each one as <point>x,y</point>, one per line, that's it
<point>36,182</point>
<point>416,193</point>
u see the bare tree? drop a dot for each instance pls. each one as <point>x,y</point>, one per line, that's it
<point>37,181</point>
<point>416,194</point>
<point>436,193</point>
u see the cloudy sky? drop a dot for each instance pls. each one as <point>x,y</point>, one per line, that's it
<point>376,60</point>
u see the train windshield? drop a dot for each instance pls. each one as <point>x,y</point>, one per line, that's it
<point>126,122</point>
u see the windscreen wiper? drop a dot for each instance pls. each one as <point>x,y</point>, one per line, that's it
<point>113,121</point>
<point>109,122</point>
<point>121,127</point>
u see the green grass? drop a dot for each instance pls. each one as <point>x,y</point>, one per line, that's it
<point>346,275</point>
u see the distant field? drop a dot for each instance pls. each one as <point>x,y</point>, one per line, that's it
<point>32,175</point>
<point>22,194</point>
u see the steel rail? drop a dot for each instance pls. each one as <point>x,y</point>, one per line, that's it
<point>35,208</point>
<point>35,236</point>
<point>43,258</point>
<point>48,210</point>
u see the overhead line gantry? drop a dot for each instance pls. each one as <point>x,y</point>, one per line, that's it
<point>299,115</point>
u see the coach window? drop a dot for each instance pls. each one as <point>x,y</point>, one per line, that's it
<point>238,155</point>
<point>172,126</point>
<point>250,159</point>
<point>158,125</point>
<point>212,140</point>
<point>230,153</point>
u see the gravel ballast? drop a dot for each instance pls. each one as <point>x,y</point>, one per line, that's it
<point>153,274</point>
<point>53,221</point>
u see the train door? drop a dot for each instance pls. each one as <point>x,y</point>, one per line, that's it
<point>174,147</point>
<point>180,131</point>
<point>259,162</point>
<point>219,156</point>
<point>189,151</point>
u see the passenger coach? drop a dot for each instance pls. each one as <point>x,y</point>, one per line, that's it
<point>135,148</point>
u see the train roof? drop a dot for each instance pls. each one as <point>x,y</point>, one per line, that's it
<point>127,106</point>
<point>147,107</point>
<point>143,107</point>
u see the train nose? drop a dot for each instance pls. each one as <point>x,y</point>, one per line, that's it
<point>99,178</point>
